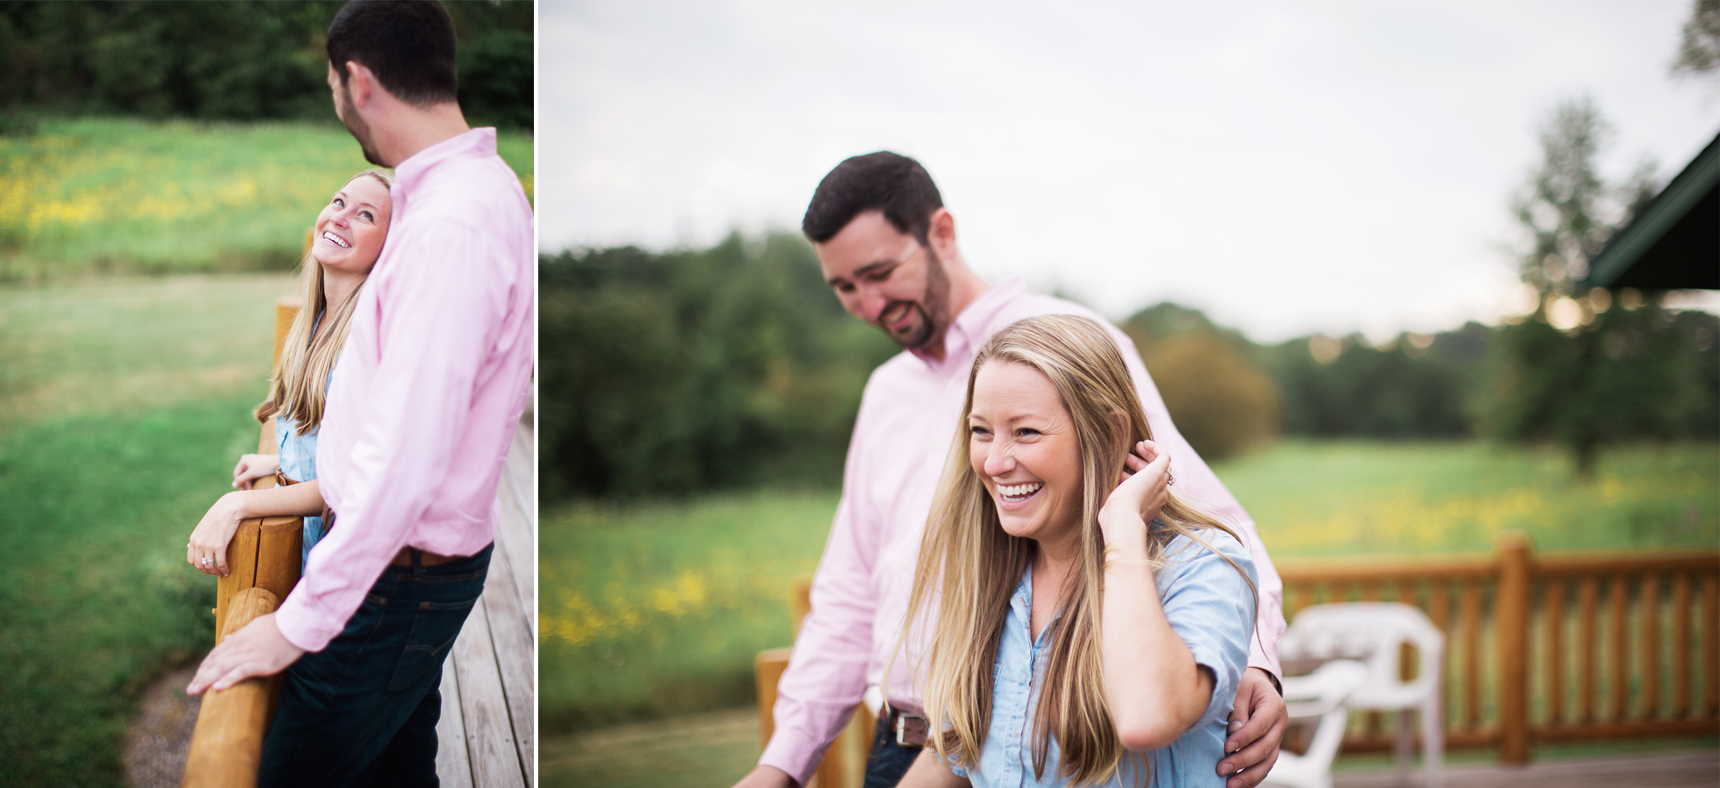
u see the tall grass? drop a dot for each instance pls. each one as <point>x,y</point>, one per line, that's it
<point>125,195</point>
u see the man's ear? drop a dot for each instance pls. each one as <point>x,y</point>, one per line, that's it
<point>360,84</point>
<point>941,232</point>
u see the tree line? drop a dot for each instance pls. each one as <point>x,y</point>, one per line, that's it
<point>734,366</point>
<point>236,61</point>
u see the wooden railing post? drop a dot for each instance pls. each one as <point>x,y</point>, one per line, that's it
<point>1512,618</point>
<point>767,671</point>
<point>286,308</point>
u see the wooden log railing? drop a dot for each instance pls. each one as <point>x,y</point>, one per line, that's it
<point>1640,659</point>
<point>227,744</point>
<point>264,560</point>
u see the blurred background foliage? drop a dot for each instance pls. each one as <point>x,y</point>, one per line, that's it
<point>728,367</point>
<point>228,61</point>
<point>98,196</point>
<point>694,370</point>
<point>1580,369</point>
<point>182,137</point>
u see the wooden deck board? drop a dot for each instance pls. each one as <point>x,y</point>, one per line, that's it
<point>1682,770</point>
<point>487,732</point>
<point>453,767</point>
<point>517,531</point>
<point>513,648</point>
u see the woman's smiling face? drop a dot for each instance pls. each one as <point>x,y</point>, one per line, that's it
<point>1022,443</point>
<point>351,228</point>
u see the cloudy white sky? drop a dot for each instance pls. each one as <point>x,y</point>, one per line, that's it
<point>1288,167</point>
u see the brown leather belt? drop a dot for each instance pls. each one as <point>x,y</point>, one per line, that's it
<point>402,558</point>
<point>281,480</point>
<point>909,727</point>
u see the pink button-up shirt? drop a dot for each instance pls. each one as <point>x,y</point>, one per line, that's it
<point>432,380</point>
<point>902,436</point>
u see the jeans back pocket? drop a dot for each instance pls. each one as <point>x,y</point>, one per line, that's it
<point>435,626</point>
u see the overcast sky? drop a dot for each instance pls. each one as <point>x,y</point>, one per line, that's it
<point>1289,168</point>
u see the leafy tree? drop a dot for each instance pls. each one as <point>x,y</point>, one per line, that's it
<point>1220,401</point>
<point>1241,394</point>
<point>684,371</point>
<point>1699,47</point>
<point>228,60</point>
<point>1397,392</point>
<point>1581,369</point>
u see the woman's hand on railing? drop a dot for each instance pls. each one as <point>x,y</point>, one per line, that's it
<point>252,467</point>
<point>207,549</point>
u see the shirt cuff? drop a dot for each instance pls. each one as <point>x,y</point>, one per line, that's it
<point>299,626</point>
<point>1276,683</point>
<point>796,756</point>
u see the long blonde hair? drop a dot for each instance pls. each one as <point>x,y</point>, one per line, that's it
<point>969,566</point>
<point>298,388</point>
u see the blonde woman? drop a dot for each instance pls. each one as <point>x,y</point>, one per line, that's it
<point>349,234</point>
<point>1081,624</point>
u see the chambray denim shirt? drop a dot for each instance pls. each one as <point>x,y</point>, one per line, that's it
<point>298,456</point>
<point>1208,605</point>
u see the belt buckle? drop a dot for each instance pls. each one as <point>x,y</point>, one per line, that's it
<point>902,727</point>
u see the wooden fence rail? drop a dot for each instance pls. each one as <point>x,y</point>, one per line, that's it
<point>227,745</point>
<point>1555,647</point>
<point>265,560</point>
<point>1539,648</point>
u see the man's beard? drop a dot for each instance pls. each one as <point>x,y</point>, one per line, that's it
<point>359,129</point>
<point>933,307</point>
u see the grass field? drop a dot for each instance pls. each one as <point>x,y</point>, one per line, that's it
<point>123,403</point>
<point>120,195</point>
<point>657,608</point>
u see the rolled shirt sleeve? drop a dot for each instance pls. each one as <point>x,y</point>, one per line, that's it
<point>1210,605</point>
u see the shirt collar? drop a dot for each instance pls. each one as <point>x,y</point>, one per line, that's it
<point>1022,600</point>
<point>409,174</point>
<point>961,339</point>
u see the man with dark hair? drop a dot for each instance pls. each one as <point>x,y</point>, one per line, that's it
<point>435,373</point>
<point>887,247</point>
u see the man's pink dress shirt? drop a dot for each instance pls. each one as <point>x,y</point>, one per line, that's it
<point>901,439</point>
<point>432,380</point>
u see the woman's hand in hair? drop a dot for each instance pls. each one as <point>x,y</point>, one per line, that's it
<point>1141,492</point>
<point>207,549</point>
<point>252,467</point>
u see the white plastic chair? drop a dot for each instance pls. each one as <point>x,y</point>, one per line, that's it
<point>1318,695</point>
<point>1374,633</point>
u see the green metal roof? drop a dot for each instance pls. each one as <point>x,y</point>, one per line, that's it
<point>1674,241</point>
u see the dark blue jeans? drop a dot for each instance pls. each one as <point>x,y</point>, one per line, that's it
<point>888,761</point>
<point>363,711</point>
